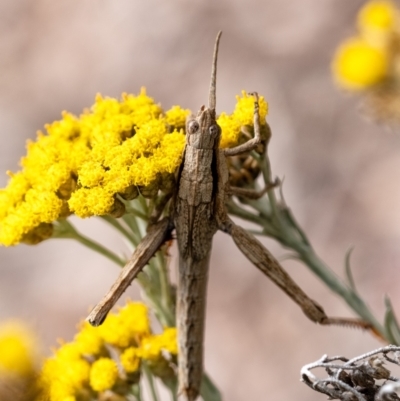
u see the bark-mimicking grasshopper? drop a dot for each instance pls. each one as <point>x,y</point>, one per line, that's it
<point>198,211</point>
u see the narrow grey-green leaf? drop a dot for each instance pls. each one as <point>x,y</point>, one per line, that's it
<point>349,274</point>
<point>208,390</point>
<point>391,324</point>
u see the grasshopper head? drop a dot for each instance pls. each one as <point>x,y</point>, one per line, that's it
<point>203,132</point>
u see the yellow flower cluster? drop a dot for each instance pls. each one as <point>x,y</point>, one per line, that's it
<point>368,59</point>
<point>89,165</point>
<point>18,349</point>
<point>104,358</point>
<point>377,19</point>
<point>242,115</point>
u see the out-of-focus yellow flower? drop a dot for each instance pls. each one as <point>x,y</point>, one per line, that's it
<point>168,340</point>
<point>130,359</point>
<point>88,340</point>
<point>18,349</point>
<point>127,327</point>
<point>378,15</point>
<point>103,374</point>
<point>158,350</point>
<point>90,363</point>
<point>358,65</point>
<point>152,347</point>
<point>64,374</point>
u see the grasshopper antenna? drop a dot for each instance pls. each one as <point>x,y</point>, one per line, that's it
<point>212,95</point>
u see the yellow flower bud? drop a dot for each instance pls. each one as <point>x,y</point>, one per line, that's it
<point>103,374</point>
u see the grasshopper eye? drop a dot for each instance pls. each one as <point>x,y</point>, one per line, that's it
<point>193,126</point>
<point>213,129</point>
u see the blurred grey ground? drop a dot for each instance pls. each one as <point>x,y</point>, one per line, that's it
<point>340,169</point>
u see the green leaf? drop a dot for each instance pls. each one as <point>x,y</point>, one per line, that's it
<point>349,274</point>
<point>391,324</point>
<point>208,390</point>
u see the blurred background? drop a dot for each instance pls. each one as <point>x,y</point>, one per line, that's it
<point>340,168</point>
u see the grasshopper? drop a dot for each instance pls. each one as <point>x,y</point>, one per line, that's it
<point>198,210</point>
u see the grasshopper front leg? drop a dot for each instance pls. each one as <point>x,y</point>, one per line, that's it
<point>157,235</point>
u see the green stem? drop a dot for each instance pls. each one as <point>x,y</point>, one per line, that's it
<point>308,256</point>
<point>165,288</point>
<point>129,236</point>
<point>130,221</point>
<point>136,212</point>
<point>174,396</point>
<point>150,380</point>
<point>136,391</point>
<point>291,235</point>
<point>95,246</point>
<point>292,221</point>
<point>65,229</point>
<point>143,204</point>
<point>152,297</point>
<point>236,210</point>
<point>267,175</point>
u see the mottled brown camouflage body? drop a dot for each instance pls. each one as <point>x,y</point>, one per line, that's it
<point>196,225</point>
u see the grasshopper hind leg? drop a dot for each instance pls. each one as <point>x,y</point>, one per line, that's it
<point>264,261</point>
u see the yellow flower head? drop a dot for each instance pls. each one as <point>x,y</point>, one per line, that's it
<point>230,128</point>
<point>244,109</point>
<point>169,340</point>
<point>64,374</point>
<point>158,351</point>
<point>153,346</point>
<point>378,15</point>
<point>17,349</point>
<point>103,374</point>
<point>378,20</point>
<point>358,65</point>
<point>130,359</point>
<point>88,340</point>
<point>84,165</point>
<point>127,327</point>
<point>176,116</point>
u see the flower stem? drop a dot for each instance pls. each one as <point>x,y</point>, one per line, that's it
<point>150,380</point>
<point>136,213</point>
<point>312,260</point>
<point>165,289</point>
<point>130,221</point>
<point>279,223</point>
<point>136,391</point>
<point>174,397</point>
<point>64,229</point>
<point>100,249</point>
<point>129,236</point>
